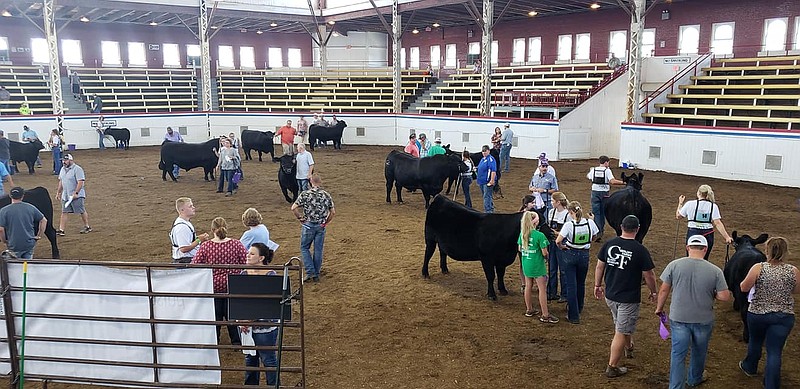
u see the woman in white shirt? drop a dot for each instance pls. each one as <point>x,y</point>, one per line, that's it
<point>556,217</point>
<point>56,142</point>
<point>703,215</point>
<point>575,239</point>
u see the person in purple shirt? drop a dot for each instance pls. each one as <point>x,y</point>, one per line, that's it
<point>173,136</point>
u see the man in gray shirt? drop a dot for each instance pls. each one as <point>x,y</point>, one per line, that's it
<point>17,223</point>
<point>505,148</point>
<point>72,192</point>
<point>305,167</point>
<point>694,283</point>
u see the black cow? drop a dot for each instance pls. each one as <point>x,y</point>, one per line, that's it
<point>324,134</point>
<point>468,235</point>
<point>189,156</point>
<point>629,201</point>
<point>405,171</point>
<point>476,159</point>
<point>736,270</point>
<point>261,141</point>
<point>25,152</point>
<point>40,198</point>
<point>122,136</point>
<point>287,177</point>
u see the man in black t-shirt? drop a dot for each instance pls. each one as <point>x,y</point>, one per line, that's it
<point>622,262</point>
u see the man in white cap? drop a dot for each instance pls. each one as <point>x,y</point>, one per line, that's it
<point>694,283</point>
<point>72,192</point>
<point>437,148</point>
<point>505,147</point>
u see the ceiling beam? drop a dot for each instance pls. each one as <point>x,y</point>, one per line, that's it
<point>406,7</point>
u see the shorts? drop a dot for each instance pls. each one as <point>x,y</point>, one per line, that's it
<point>298,139</point>
<point>625,316</point>
<point>75,207</point>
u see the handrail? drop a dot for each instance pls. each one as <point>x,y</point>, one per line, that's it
<point>671,82</point>
<point>620,70</point>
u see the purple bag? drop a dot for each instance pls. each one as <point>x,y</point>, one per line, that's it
<point>662,328</point>
<point>236,177</point>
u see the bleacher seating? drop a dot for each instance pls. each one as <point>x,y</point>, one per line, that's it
<point>461,93</point>
<point>126,90</point>
<point>738,92</point>
<point>342,90</point>
<point>27,83</point>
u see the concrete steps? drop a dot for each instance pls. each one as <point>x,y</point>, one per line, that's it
<point>418,102</point>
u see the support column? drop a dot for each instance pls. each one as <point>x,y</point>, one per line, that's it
<point>54,68</point>
<point>486,57</point>
<point>635,58</point>
<point>397,96</point>
<point>205,56</point>
<point>323,50</point>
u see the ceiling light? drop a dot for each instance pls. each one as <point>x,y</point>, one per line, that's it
<point>84,19</point>
<point>153,23</point>
<point>594,6</point>
<point>436,25</point>
<point>415,31</point>
<point>6,13</point>
<point>213,27</point>
<point>335,33</point>
<point>532,13</point>
<point>243,30</point>
<point>331,22</point>
<point>259,32</point>
<point>273,24</point>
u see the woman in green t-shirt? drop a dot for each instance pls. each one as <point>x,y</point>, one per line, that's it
<point>533,253</point>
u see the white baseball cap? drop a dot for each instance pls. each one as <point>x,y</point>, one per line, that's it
<point>697,240</point>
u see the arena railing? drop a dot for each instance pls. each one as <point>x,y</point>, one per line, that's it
<point>12,315</point>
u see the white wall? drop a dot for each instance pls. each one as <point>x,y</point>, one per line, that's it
<point>592,128</point>
<point>740,153</point>
<point>78,129</point>
<point>12,125</point>
<point>357,49</point>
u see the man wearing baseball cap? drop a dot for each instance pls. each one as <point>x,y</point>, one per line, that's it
<point>437,148</point>
<point>694,283</point>
<point>17,225</point>
<point>72,192</point>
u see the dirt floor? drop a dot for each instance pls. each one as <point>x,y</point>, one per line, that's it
<point>374,322</point>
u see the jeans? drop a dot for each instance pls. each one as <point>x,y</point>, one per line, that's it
<point>505,157</point>
<point>553,273</point>
<point>575,265</point>
<point>772,328</point>
<point>708,234</point>
<point>27,254</point>
<point>465,183</point>
<point>488,203</point>
<point>226,175</point>
<point>7,164</point>
<point>302,184</point>
<point>312,233</point>
<point>102,136</point>
<point>684,336</point>
<point>220,314</point>
<point>598,210</point>
<point>57,162</point>
<point>267,358</point>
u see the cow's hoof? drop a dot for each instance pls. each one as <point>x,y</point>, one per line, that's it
<point>445,271</point>
<point>503,292</point>
<point>426,276</point>
<point>493,298</point>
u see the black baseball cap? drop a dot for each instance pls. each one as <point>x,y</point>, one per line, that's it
<point>17,192</point>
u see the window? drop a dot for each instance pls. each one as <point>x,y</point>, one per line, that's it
<point>275,57</point>
<point>535,50</point>
<point>435,56</point>
<point>474,48</point>
<point>225,57</point>
<point>403,58</point>
<point>247,57</point>
<point>450,57</point>
<point>722,38</point>
<point>495,52</point>
<point>192,55</point>
<point>137,56</point>
<point>415,58</point>
<point>649,42</point>
<point>71,52</point>
<point>618,44</point>
<point>775,34</point>
<point>582,46</point>
<point>172,54</point>
<point>564,47</point>
<point>39,50</point>
<point>689,39</point>
<point>295,58</point>
<point>796,35</point>
<point>518,55</point>
<point>110,52</point>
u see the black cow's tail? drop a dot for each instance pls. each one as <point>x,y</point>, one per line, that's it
<point>161,165</point>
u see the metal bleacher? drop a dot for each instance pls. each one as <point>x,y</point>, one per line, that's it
<point>126,90</point>
<point>26,83</point>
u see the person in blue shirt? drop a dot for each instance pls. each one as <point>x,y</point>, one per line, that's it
<point>487,173</point>
<point>29,136</point>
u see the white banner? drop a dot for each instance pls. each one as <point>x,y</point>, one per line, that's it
<point>109,279</point>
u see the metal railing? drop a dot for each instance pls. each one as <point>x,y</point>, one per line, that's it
<point>670,84</point>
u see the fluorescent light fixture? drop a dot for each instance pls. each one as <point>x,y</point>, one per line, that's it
<point>6,13</point>
<point>594,6</point>
<point>84,19</point>
<point>532,13</point>
<point>335,33</point>
<point>436,25</point>
<point>213,27</point>
<point>273,24</point>
<point>331,22</point>
<point>153,23</point>
<point>243,30</point>
<point>415,31</point>
<point>259,32</point>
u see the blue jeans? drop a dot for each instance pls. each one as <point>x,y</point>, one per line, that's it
<point>598,210</point>
<point>267,358</point>
<point>488,203</point>
<point>27,254</point>
<point>574,265</point>
<point>57,162</point>
<point>102,135</point>
<point>505,157</point>
<point>553,272</point>
<point>312,233</point>
<point>465,183</point>
<point>684,336</point>
<point>302,184</point>
<point>226,175</point>
<point>772,328</point>
<point>709,234</point>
